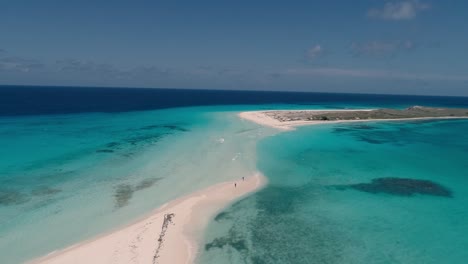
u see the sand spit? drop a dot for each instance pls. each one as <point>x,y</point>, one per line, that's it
<point>167,235</point>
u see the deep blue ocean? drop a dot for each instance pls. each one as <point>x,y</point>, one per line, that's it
<point>41,100</point>
<point>77,162</point>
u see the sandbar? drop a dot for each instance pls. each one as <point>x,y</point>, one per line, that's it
<point>167,235</point>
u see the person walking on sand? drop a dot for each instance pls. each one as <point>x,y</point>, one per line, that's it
<point>235,185</point>
<point>242,178</point>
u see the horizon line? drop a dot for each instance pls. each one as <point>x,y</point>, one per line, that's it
<point>226,89</point>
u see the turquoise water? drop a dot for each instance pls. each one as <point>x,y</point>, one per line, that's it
<point>65,178</point>
<point>68,177</point>
<point>389,192</point>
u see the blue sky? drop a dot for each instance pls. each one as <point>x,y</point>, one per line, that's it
<point>368,46</point>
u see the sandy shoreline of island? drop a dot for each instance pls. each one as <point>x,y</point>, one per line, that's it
<point>260,117</point>
<point>167,235</point>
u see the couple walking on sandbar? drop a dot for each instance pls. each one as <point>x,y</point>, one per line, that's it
<point>235,184</point>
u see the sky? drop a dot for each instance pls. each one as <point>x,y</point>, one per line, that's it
<point>361,46</point>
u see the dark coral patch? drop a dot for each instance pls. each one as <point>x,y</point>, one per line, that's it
<point>176,127</point>
<point>353,128</point>
<point>149,127</point>
<point>342,130</point>
<point>12,197</point>
<point>45,191</point>
<point>364,127</point>
<point>112,144</point>
<point>167,126</point>
<point>371,140</point>
<point>231,241</point>
<point>142,139</point>
<point>373,134</point>
<point>104,151</point>
<point>123,194</point>
<point>401,187</point>
<point>221,216</point>
<point>146,183</point>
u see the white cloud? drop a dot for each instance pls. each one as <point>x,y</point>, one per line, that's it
<point>381,48</point>
<point>403,10</point>
<point>314,52</point>
<point>367,73</point>
<point>19,64</point>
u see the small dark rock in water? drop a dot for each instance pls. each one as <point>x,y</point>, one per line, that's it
<point>44,190</point>
<point>104,151</point>
<point>402,187</point>
<point>12,197</point>
<point>123,194</point>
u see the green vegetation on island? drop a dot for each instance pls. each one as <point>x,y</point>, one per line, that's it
<point>337,115</point>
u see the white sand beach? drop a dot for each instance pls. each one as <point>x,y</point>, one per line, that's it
<point>262,118</point>
<point>168,235</point>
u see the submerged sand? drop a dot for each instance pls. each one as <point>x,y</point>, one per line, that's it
<point>167,235</point>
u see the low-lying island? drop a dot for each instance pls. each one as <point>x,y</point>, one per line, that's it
<point>287,119</point>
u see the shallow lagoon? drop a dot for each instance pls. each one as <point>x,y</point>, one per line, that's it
<point>393,192</point>
<point>66,178</point>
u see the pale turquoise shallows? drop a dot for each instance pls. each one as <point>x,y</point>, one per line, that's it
<point>66,178</point>
<point>321,205</point>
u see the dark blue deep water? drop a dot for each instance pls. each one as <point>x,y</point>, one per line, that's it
<point>33,100</point>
